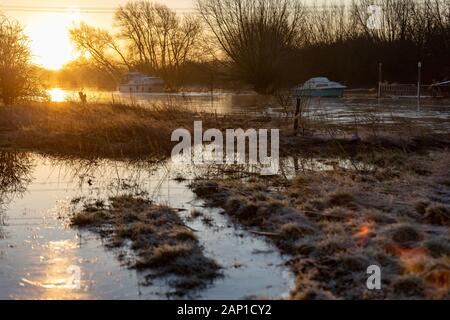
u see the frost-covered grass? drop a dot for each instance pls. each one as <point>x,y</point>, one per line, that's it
<point>336,223</point>
<point>159,239</point>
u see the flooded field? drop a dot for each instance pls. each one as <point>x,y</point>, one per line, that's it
<point>220,102</point>
<point>39,251</point>
<point>433,113</point>
<point>362,109</point>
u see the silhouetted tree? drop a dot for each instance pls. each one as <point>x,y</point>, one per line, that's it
<point>341,44</point>
<point>101,46</point>
<point>256,36</point>
<point>275,43</point>
<point>159,40</point>
<point>17,77</point>
<point>153,38</point>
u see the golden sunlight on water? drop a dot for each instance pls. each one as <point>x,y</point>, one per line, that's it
<point>57,95</point>
<point>59,279</point>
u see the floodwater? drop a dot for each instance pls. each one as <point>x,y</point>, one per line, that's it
<point>354,108</point>
<point>215,102</point>
<point>432,113</point>
<point>40,254</point>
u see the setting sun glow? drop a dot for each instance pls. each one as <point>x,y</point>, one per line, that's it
<point>50,41</point>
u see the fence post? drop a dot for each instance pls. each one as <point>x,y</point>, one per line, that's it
<point>296,115</point>
<point>380,65</point>
<point>419,67</point>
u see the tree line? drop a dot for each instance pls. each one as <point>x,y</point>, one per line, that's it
<point>273,43</point>
<point>266,44</point>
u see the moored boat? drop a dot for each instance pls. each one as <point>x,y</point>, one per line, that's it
<point>320,87</point>
<point>136,82</point>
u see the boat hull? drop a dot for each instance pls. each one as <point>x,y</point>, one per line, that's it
<point>140,88</point>
<point>331,92</point>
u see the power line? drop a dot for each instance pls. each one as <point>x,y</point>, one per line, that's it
<point>108,10</point>
<point>74,9</point>
<point>111,10</point>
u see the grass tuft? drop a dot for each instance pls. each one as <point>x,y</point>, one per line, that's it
<point>437,214</point>
<point>159,239</point>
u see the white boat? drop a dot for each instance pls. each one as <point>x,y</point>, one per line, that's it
<point>136,82</point>
<point>320,87</point>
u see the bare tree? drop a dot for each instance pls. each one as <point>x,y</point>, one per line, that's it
<point>17,74</point>
<point>323,26</point>
<point>255,35</point>
<point>396,19</point>
<point>273,44</point>
<point>101,46</point>
<point>158,39</point>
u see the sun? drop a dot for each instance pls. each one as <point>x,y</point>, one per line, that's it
<point>50,41</point>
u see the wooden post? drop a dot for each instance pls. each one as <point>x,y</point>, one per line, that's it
<point>380,65</point>
<point>419,67</point>
<point>212,90</point>
<point>296,115</point>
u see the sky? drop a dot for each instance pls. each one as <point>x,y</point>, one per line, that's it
<point>47,22</point>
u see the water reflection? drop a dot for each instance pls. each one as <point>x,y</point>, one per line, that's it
<point>14,178</point>
<point>217,102</point>
<point>361,109</point>
<point>60,279</point>
<point>14,172</point>
<point>43,246</point>
<point>57,95</point>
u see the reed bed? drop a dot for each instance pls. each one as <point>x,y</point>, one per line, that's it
<point>104,130</point>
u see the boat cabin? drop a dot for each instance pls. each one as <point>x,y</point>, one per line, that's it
<point>136,82</point>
